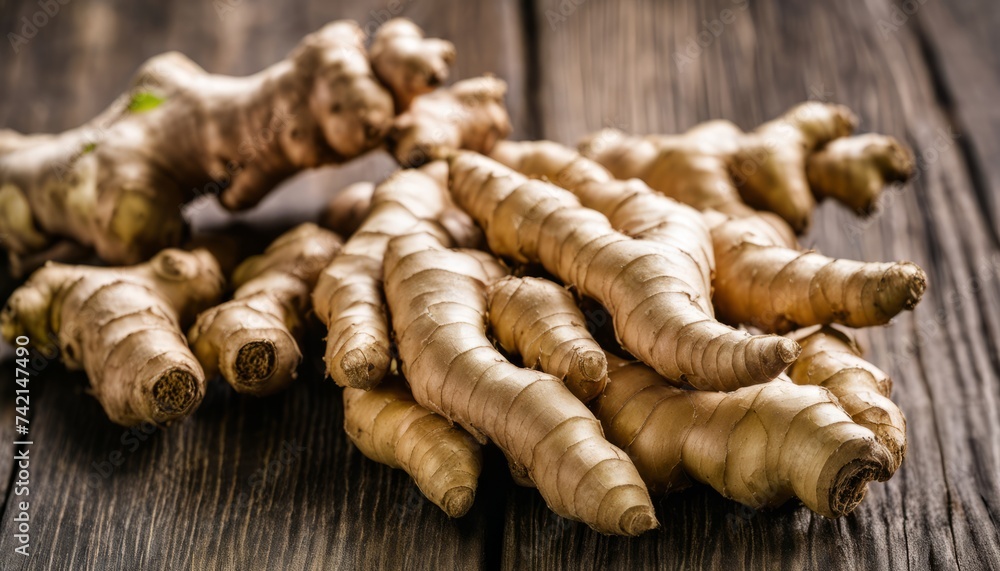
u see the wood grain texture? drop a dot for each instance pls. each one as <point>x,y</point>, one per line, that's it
<point>245,483</point>
<point>641,66</point>
<point>962,46</point>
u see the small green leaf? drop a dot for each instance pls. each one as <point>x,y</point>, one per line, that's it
<point>88,148</point>
<point>144,101</point>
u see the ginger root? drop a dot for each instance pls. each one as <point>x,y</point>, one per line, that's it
<point>655,317</point>
<point>631,207</point>
<point>468,115</point>
<point>117,183</point>
<point>714,165</point>
<point>759,445</point>
<point>409,63</point>
<point>769,164</point>
<point>832,359</point>
<point>123,327</point>
<point>854,170</point>
<point>389,427</point>
<point>348,296</point>
<point>539,321</point>
<point>345,212</point>
<point>437,298</point>
<point>252,340</point>
<point>764,281</point>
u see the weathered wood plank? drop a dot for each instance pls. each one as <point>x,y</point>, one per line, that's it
<point>245,483</point>
<point>642,66</point>
<point>963,47</point>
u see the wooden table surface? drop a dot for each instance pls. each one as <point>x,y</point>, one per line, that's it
<point>252,484</point>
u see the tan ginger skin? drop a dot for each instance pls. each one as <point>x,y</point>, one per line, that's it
<point>714,165</point>
<point>854,170</point>
<point>346,211</point>
<point>787,288</point>
<point>654,318</point>
<point>467,115</point>
<point>123,327</point>
<point>348,297</point>
<point>437,299</point>
<point>631,207</point>
<point>117,183</point>
<point>408,63</point>
<point>253,339</point>
<point>540,321</point>
<point>389,427</point>
<point>759,445</point>
<point>832,359</point>
<point>765,281</point>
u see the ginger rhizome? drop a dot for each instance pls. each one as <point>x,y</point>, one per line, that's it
<point>761,277</point>
<point>347,209</point>
<point>854,170</point>
<point>409,63</point>
<point>348,297</point>
<point>117,183</point>
<point>253,339</point>
<point>717,166</point>
<point>540,321</point>
<point>467,115</point>
<point>123,326</point>
<point>765,281</point>
<point>631,207</point>
<point>832,359</point>
<point>759,445</point>
<point>438,303</point>
<point>655,317</point>
<point>389,427</point>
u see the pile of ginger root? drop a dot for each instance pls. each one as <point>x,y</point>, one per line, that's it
<point>450,293</point>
